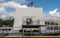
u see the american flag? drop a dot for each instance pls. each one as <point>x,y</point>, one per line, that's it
<point>30,4</point>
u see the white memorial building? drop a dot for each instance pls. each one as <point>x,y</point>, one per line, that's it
<point>21,14</point>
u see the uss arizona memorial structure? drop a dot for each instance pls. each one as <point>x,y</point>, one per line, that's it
<point>30,21</point>
<point>22,15</point>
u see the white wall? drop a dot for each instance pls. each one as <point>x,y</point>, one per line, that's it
<point>20,12</point>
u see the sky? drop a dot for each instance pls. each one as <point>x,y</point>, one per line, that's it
<point>51,7</point>
<point>47,5</point>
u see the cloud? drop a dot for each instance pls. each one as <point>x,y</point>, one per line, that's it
<point>4,14</point>
<point>53,15</point>
<point>14,5</point>
<point>19,1</point>
<point>1,9</point>
<point>54,12</point>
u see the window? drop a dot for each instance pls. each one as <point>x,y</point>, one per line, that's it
<point>55,27</point>
<point>29,21</point>
<point>50,28</point>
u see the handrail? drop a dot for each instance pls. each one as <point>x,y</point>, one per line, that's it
<point>21,27</point>
<point>9,27</point>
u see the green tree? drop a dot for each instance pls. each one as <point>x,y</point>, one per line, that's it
<point>7,22</point>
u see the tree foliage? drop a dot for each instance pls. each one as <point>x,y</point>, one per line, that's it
<point>50,23</point>
<point>7,22</point>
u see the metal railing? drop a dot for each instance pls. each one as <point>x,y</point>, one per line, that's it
<point>4,31</point>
